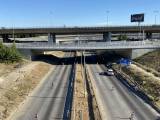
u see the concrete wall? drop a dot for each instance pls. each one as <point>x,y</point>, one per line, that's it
<point>133,53</point>
<point>139,52</point>
<point>27,54</point>
<point>125,53</point>
<point>30,54</point>
<point>128,53</point>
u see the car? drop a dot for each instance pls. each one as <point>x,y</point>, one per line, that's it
<point>110,72</point>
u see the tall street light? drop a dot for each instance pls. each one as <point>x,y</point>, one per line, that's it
<point>51,15</point>
<point>155,17</point>
<point>13,36</point>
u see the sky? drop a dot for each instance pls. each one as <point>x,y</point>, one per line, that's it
<point>55,13</point>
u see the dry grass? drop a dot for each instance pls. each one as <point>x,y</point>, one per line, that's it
<point>80,102</point>
<point>18,90</point>
<point>149,83</point>
<point>150,60</point>
<point>7,68</point>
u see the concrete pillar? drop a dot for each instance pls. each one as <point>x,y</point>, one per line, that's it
<point>107,36</point>
<point>5,38</point>
<point>148,35</point>
<point>51,38</point>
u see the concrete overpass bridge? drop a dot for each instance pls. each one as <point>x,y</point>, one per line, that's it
<point>131,49</point>
<point>52,32</point>
<point>88,46</point>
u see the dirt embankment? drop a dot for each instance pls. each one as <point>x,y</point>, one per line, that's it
<point>149,83</point>
<point>59,54</point>
<point>5,69</point>
<point>17,81</point>
<point>150,73</point>
<point>150,60</point>
<point>17,84</point>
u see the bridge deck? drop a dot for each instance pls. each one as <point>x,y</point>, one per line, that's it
<point>90,46</point>
<point>80,30</point>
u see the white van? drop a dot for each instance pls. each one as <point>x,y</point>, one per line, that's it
<point>110,72</point>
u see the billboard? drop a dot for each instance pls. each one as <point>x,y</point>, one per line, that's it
<point>137,17</point>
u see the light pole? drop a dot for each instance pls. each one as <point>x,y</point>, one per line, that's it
<point>51,15</point>
<point>84,73</point>
<point>155,17</point>
<point>13,34</point>
<point>107,16</point>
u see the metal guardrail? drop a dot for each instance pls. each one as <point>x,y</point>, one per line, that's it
<point>89,46</point>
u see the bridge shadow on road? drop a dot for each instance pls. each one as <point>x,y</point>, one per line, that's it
<point>51,59</point>
<point>89,59</point>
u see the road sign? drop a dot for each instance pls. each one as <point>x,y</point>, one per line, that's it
<point>137,17</point>
<point>125,61</point>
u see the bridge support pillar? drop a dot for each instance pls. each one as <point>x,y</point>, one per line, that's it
<point>148,35</point>
<point>51,38</point>
<point>5,38</point>
<point>107,36</point>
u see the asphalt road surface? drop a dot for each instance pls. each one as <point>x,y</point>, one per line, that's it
<point>119,102</point>
<point>48,102</point>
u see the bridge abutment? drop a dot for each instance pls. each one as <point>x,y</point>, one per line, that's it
<point>107,36</point>
<point>26,53</point>
<point>30,54</point>
<point>133,53</point>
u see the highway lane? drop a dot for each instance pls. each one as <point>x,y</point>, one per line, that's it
<point>118,101</point>
<point>48,102</point>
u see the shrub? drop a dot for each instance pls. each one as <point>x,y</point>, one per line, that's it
<point>9,54</point>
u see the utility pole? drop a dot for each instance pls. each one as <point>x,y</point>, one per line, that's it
<point>13,35</point>
<point>107,16</point>
<point>155,17</point>
<point>139,25</point>
<point>84,73</point>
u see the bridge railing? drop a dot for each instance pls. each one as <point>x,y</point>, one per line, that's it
<point>124,44</point>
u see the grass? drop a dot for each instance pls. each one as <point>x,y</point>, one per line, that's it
<point>150,60</point>
<point>150,85</point>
